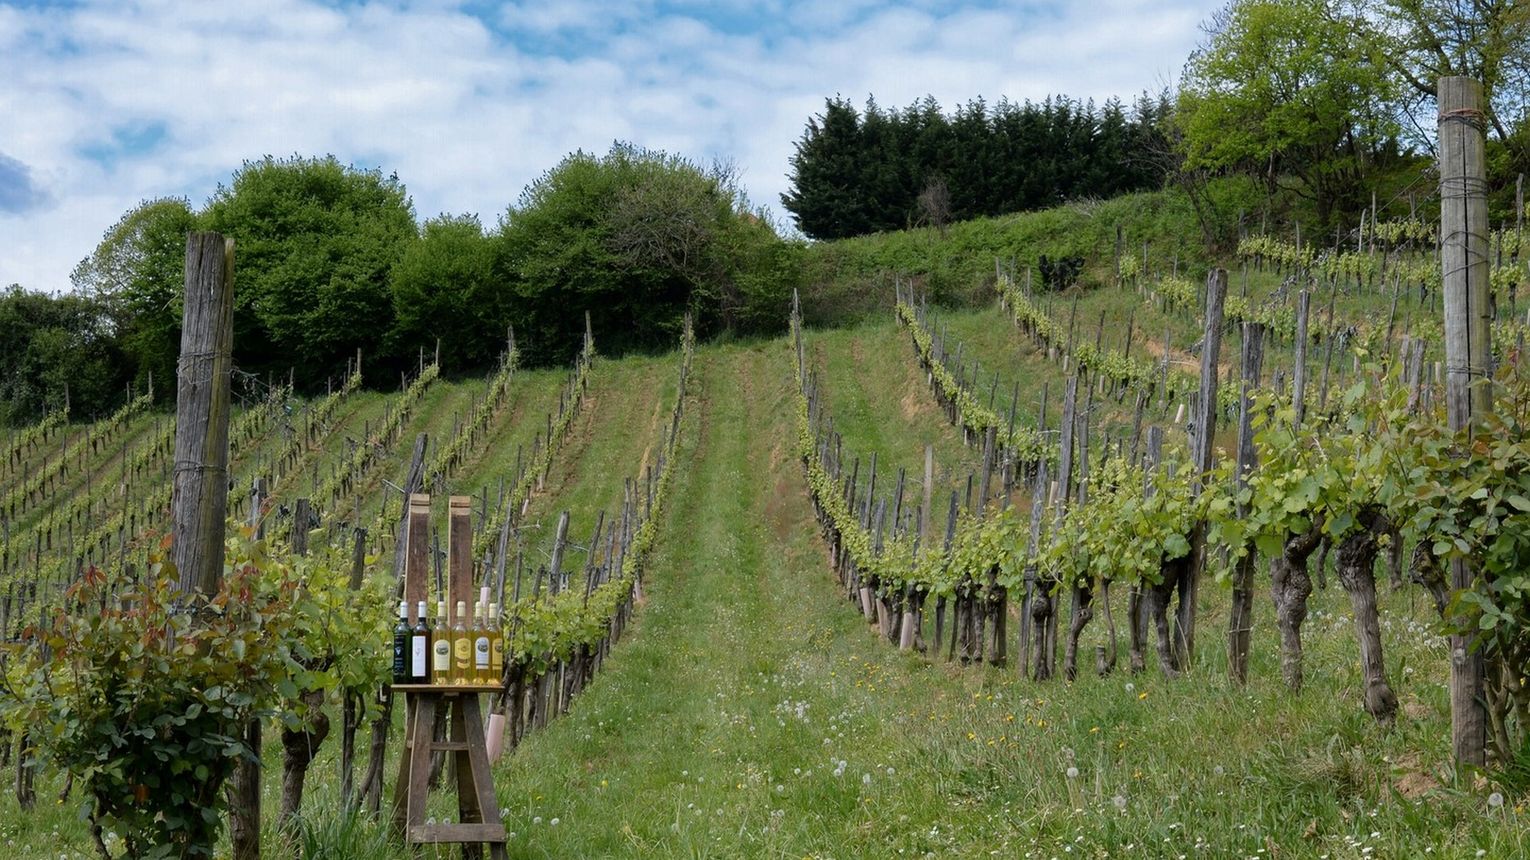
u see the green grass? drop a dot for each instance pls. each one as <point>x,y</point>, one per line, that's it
<point>612,439</point>
<point>362,408</point>
<point>991,337</point>
<point>881,403</point>
<point>533,396</point>
<point>85,468</point>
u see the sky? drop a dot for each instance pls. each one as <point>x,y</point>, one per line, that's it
<point>105,104</point>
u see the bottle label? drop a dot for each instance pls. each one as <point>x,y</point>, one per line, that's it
<point>481,653</point>
<point>418,664</point>
<point>400,660</point>
<point>497,655</point>
<point>462,652</point>
<point>443,657</point>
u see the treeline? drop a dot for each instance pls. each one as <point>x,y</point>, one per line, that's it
<point>857,172</point>
<point>330,259</point>
<point>1327,104</point>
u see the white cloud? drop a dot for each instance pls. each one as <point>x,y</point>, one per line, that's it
<point>468,110</point>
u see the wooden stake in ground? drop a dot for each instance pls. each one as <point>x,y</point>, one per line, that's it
<point>1240,620</point>
<point>1201,450</point>
<point>1464,264</point>
<point>1299,368</point>
<point>199,495</point>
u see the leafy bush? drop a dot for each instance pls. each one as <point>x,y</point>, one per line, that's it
<point>1467,498</point>
<point>142,694</point>
<point>443,290</point>
<point>635,238</point>
<point>316,241</point>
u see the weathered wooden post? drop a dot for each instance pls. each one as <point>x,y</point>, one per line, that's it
<point>1299,371</point>
<point>1241,615</point>
<point>1468,396</point>
<point>199,495</point>
<point>1200,454</point>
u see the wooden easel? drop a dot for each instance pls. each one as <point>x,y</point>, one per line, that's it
<point>478,811</point>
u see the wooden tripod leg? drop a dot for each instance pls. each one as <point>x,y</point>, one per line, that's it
<point>418,753</point>
<point>469,810</point>
<point>475,782</point>
<point>400,806</point>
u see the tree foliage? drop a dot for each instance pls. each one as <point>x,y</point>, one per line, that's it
<point>443,291</point>
<point>315,243</point>
<point>634,238</point>
<point>857,172</point>
<point>56,347</point>
<point>1283,89</point>
<point>137,272</point>
<point>1488,40</point>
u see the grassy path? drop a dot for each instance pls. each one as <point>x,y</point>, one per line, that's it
<point>719,729</point>
<point>881,404</point>
<point>609,441</point>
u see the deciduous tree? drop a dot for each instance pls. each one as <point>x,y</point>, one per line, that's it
<point>1285,88</point>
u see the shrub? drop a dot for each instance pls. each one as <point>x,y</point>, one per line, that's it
<point>142,694</point>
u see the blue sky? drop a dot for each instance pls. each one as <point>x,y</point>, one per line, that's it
<point>104,104</point>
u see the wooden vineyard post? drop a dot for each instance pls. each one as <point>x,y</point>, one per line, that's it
<point>199,494</point>
<point>350,710</point>
<point>370,793</point>
<point>1201,449</point>
<point>478,820</point>
<point>1464,264</point>
<point>1299,371</point>
<point>1240,619</point>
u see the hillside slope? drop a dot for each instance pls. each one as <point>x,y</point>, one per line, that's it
<point>753,713</point>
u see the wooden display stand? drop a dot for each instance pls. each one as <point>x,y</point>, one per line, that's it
<point>478,811</point>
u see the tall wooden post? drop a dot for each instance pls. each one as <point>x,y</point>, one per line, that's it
<point>1200,455</point>
<point>1299,371</point>
<point>199,498</point>
<point>929,485</point>
<point>1464,263</point>
<point>1241,614</point>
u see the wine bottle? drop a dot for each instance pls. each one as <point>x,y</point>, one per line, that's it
<point>496,645</point>
<point>481,655</point>
<point>419,648</point>
<point>462,647</point>
<point>441,648</point>
<point>401,634</point>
